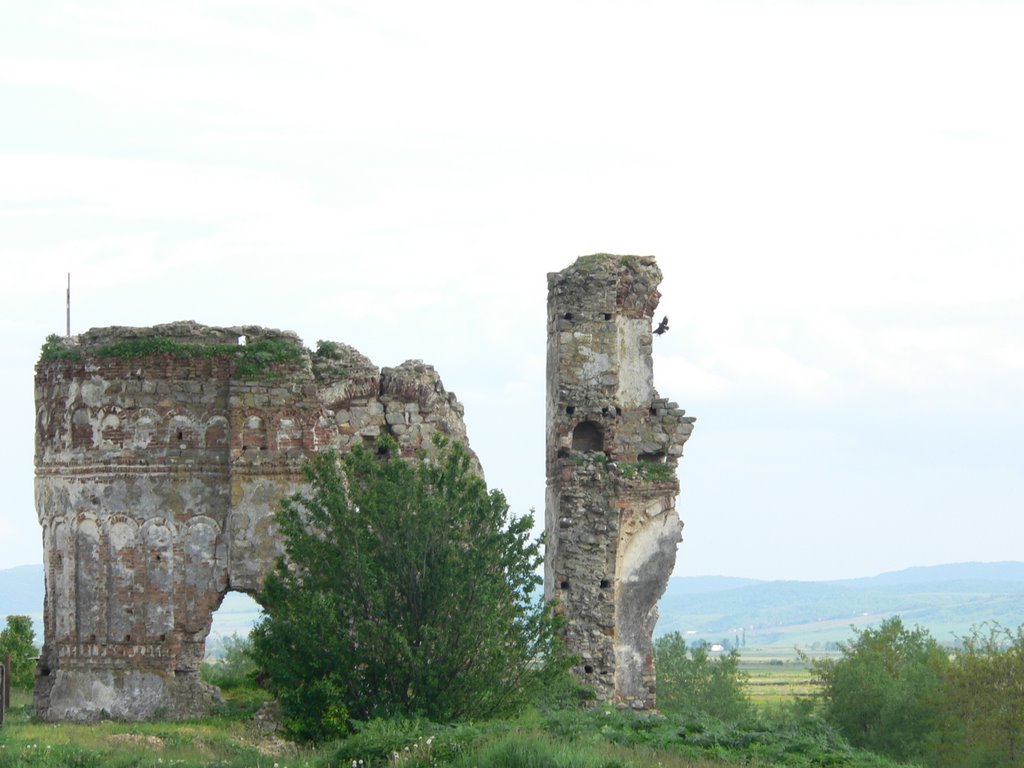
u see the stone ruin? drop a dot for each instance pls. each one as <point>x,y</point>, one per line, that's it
<point>612,449</point>
<point>162,454</point>
<point>160,462</point>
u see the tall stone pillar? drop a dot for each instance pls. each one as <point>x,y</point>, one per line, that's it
<point>612,449</point>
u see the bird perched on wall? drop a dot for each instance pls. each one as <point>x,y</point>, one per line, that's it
<point>662,326</point>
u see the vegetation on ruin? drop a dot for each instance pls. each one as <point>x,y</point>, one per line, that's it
<point>591,263</point>
<point>409,591</point>
<point>654,471</point>
<point>54,348</point>
<point>252,361</point>
<point>329,349</point>
<point>19,640</point>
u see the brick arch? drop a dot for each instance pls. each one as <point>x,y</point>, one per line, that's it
<point>81,428</point>
<point>145,425</point>
<point>216,431</point>
<point>184,430</point>
<point>289,434</point>
<point>112,423</point>
<point>254,433</point>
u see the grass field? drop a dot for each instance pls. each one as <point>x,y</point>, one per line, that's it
<point>595,738</point>
<point>778,675</point>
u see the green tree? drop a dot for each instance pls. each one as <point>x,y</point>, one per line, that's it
<point>984,700</point>
<point>884,692</point>
<point>18,639</point>
<point>691,681</point>
<point>407,589</point>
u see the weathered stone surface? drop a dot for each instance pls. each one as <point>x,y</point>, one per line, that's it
<point>157,478</point>
<point>612,449</point>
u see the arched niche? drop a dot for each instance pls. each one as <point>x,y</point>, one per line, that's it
<point>254,434</point>
<point>111,423</point>
<point>587,436</point>
<point>122,545</point>
<point>289,434</point>
<point>81,428</point>
<point>217,433</point>
<point>144,426</point>
<point>158,550</point>
<point>88,575</point>
<point>182,431</point>
<point>61,588</point>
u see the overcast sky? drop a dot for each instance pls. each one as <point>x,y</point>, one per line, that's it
<point>834,192</point>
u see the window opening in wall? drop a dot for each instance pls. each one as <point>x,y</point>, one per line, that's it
<point>618,411</point>
<point>570,409</point>
<point>567,316</point>
<point>605,583</point>
<point>653,411</point>
<point>588,669</point>
<point>605,411</point>
<point>587,436</point>
<point>607,315</point>
<point>564,585</point>
<point>242,340</point>
<point>230,623</point>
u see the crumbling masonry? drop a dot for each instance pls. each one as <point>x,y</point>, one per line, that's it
<point>161,456</point>
<point>612,449</point>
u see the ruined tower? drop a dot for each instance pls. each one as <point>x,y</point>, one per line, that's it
<point>612,449</point>
<point>161,456</point>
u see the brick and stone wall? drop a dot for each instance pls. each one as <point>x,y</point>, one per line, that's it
<point>157,478</point>
<point>612,449</point>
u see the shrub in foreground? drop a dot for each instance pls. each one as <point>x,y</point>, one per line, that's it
<point>692,680</point>
<point>407,590</point>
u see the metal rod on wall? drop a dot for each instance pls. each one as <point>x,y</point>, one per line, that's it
<point>69,306</point>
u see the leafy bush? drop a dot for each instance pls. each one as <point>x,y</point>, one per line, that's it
<point>983,701</point>
<point>18,639</point>
<point>884,693</point>
<point>54,348</point>
<point>691,681</point>
<point>236,668</point>
<point>408,591</point>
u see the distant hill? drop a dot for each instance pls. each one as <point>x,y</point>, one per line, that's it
<point>945,599</point>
